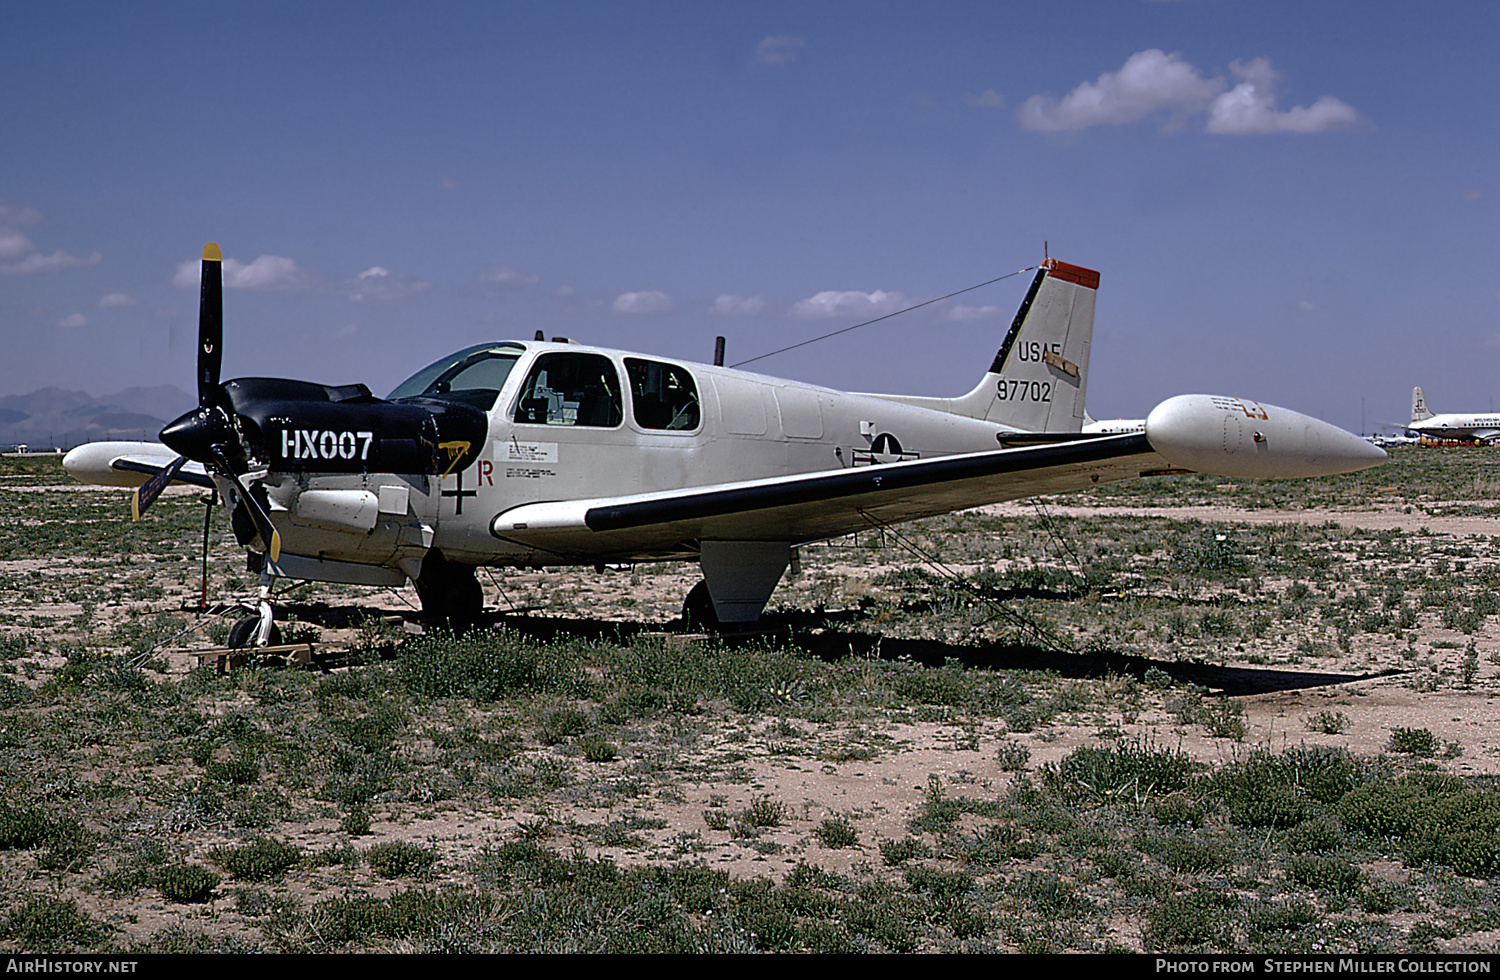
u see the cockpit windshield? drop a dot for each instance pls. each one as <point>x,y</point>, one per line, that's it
<point>473,376</point>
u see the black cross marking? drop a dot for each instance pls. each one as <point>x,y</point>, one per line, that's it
<point>460,493</point>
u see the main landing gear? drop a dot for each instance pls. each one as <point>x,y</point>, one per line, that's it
<point>738,579</point>
<point>698,609</point>
<point>451,594</point>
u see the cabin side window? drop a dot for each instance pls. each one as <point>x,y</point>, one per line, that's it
<point>663,396</point>
<point>565,388</point>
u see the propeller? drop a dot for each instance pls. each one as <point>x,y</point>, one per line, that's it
<point>208,434</point>
<point>145,494</point>
<point>210,327</point>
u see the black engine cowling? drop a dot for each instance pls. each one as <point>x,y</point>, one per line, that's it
<point>301,427</point>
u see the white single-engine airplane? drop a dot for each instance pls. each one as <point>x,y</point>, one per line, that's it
<point>1478,428</point>
<point>542,454</point>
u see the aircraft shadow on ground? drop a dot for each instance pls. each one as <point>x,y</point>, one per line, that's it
<point>332,617</point>
<point>831,636</point>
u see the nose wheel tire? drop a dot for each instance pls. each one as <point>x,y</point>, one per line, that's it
<point>242,634</point>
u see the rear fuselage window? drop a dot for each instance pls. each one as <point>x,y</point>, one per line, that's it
<point>564,388</point>
<point>663,396</point>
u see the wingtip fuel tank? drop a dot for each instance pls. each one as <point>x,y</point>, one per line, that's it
<point>1237,437</point>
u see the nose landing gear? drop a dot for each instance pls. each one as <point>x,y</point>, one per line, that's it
<point>259,630</point>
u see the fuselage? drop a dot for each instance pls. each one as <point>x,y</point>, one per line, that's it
<point>568,422</point>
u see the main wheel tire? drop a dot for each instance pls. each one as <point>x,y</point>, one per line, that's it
<point>451,594</point>
<point>698,609</point>
<point>465,598</point>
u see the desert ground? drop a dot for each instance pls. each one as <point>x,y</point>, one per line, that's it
<point>1174,714</point>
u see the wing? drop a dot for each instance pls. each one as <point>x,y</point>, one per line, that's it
<point>130,464</point>
<point>1230,437</point>
<point>814,506</point>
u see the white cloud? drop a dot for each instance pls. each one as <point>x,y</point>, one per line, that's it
<point>1149,82</point>
<point>12,213</point>
<point>448,185</point>
<point>1155,83</point>
<point>377,284</point>
<point>1249,109</point>
<point>646,302</point>
<point>13,244</point>
<point>1472,196</point>
<point>72,322</point>
<point>779,49</point>
<point>849,303</point>
<point>188,275</point>
<point>504,275</point>
<point>988,99</point>
<point>58,261</point>
<point>111,301</point>
<point>728,305</point>
<point>19,255</point>
<point>968,314</point>
<point>269,273</point>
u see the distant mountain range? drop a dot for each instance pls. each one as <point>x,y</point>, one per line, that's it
<point>57,418</point>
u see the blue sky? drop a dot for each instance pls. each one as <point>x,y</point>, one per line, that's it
<point>1287,201</point>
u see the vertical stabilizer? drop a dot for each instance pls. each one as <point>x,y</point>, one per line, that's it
<point>1419,412</point>
<point>1039,375</point>
<point>1037,381</point>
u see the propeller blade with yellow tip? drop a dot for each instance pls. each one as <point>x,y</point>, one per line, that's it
<point>145,494</point>
<point>210,326</point>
